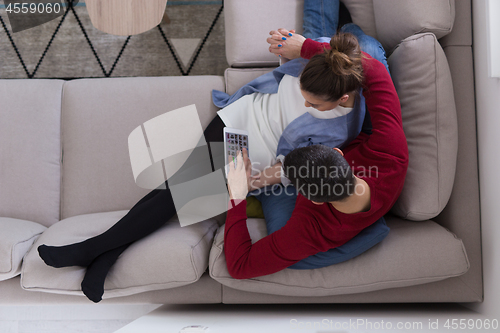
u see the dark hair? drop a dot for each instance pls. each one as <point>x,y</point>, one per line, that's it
<point>319,173</point>
<point>337,71</point>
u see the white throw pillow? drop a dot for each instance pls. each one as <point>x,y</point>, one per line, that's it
<point>16,239</point>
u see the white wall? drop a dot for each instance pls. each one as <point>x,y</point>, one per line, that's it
<point>488,114</point>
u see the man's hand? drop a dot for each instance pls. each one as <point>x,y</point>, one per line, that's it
<point>239,177</point>
<point>286,44</point>
<point>269,176</point>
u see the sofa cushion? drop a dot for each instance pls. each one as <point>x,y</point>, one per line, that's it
<point>398,19</point>
<point>170,257</point>
<point>30,149</point>
<point>422,79</point>
<point>412,254</point>
<point>16,239</point>
<point>235,78</point>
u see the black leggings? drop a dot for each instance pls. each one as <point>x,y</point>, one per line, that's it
<point>147,216</point>
<point>149,213</point>
<point>213,132</point>
<point>99,253</point>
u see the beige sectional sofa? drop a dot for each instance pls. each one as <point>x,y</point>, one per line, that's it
<point>65,173</point>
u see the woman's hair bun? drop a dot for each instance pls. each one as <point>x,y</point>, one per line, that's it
<point>335,72</point>
<point>344,56</point>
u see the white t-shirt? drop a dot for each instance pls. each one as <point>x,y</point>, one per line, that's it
<point>265,117</point>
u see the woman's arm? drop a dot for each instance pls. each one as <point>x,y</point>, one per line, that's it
<point>286,44</point>
<point>310,48</point>
<point>382,102</point>
<point>381,99</point>
<point>290,45</point>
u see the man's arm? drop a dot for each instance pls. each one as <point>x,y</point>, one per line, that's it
<point>269,176</point>
<point>297,240</point>
<point>292,243</point>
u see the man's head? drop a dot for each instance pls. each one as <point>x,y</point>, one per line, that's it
<point>320,173</point>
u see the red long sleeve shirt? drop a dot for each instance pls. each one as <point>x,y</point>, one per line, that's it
<point>381,159</point>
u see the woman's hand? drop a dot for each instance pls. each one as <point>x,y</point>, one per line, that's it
<point>240,177</point>
<point>286,44</point>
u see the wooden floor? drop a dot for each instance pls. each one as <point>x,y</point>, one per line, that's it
<point>91,318</point>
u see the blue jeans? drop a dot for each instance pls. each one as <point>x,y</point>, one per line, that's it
<point>278,207</point>
<point>321,18</point>
<point>367,43</point>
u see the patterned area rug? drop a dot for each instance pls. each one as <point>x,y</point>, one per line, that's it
<point>189,41</point>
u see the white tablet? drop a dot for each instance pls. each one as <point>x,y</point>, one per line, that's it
<point>234,140</point>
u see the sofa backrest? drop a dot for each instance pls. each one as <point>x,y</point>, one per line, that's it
<point>97,117</point>
<point>461,35</point>
<point>398,19</point>
<point>389,20</point>
<point>30,149</point>
<point>252,18</point>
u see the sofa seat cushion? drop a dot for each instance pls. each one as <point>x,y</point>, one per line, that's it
<point>422,78</point>
<point>412,254</point>
<point>16,239</point>
<point>235,78</point>
<point>172,256</point>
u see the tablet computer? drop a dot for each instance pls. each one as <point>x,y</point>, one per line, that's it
<point>234,140</point>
